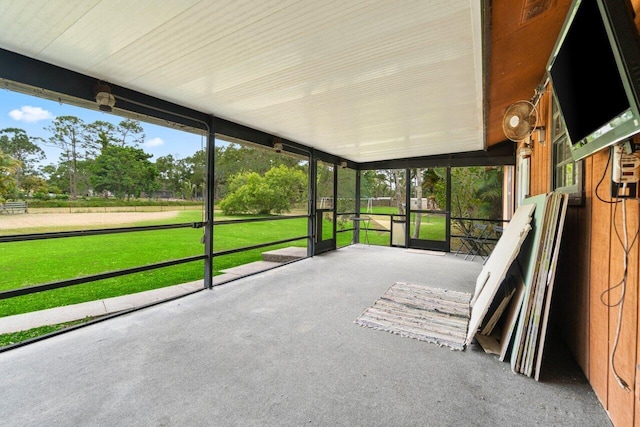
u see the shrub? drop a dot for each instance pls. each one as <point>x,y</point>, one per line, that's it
<point>41,196</point>
<point>276,192</point>
<point>251,194</point>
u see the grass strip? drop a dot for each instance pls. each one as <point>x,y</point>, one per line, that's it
<point>17,337</point>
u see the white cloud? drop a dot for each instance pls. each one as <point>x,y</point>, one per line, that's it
<point>154,142</point>
<point>30,114</point>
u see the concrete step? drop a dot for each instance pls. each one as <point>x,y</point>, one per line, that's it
<point>291,253</point>
<point>234,273</point>
<point>250,268</point>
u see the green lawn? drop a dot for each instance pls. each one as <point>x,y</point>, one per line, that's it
<point>43,261</point>
<point>391,210</point>
<point>432,227</point>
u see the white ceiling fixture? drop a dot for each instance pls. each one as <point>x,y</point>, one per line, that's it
<point>365,80</point>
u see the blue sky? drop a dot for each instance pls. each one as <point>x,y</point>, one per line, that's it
<point>33,114</point>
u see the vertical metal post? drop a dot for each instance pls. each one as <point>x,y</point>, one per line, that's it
<point>210,200</point>
<point>407,207</point>
<point>448,208</point>
<point>356,237</point>
<point>335,205</point>
<point>311,225</point>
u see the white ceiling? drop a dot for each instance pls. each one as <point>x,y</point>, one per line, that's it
<point>365,80</point>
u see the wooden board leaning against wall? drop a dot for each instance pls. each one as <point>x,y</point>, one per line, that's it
<point>590,263</point>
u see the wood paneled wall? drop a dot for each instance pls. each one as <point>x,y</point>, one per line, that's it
<point>591,264</point>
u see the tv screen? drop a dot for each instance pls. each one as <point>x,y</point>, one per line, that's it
<point>594,74</point>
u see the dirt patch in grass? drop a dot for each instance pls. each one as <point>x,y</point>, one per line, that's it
<point>97,219</point>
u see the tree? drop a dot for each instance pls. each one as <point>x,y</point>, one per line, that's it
<point>81,143</point>
<point>324,181</point>
<point>375,183</point>
<point>346,190</point>
<point>187,190</point>
<point>123,171</point>
<point>490,192</point>
<point>168,178</point>
<point>232,158</point>
<point>398,186</point>
<point>130,132</point>
<point>226,161</point>
<point>257,159</point>
<point>289,187</point>
<point>276,191</point>
<point>249,193</point>
<point>99,134</point>
<point>8,168</point>
<point>476,192</point>
<point>17,144</point>
<point>197,172</point>
<point>33,184</point>
<point>56,177</point>
<point>69,135</point>
<point>186,177</point>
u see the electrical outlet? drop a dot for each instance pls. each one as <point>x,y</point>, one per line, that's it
<point>625,171</point>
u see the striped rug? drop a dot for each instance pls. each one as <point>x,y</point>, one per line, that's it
<point>434,315</point>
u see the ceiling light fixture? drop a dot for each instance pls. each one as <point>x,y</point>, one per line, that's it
<point>105,100</point>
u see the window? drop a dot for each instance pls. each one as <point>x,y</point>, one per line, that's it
<point>567,174</point>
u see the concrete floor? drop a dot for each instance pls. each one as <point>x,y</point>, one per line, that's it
<point>281,349</point>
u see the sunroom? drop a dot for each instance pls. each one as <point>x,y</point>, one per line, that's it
<point>357,96</point>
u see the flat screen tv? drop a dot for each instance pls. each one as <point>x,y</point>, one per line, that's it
<point>594,70</point>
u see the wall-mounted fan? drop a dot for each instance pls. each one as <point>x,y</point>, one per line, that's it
<point>520,120</point>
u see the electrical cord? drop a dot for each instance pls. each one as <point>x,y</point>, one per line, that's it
<point>622,284</point>
<point>620,303</point>
<point>604,173</point>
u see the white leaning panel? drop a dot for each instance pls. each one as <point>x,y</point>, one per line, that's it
<point>497,265</point>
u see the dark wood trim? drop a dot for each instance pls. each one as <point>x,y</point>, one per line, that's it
<point>497,155</point>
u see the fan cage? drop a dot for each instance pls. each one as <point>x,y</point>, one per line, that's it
<point>520,120</point>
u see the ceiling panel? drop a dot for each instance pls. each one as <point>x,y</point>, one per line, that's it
<point>32,26</point>
<point>107,28</point>
<point>365,80</point>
